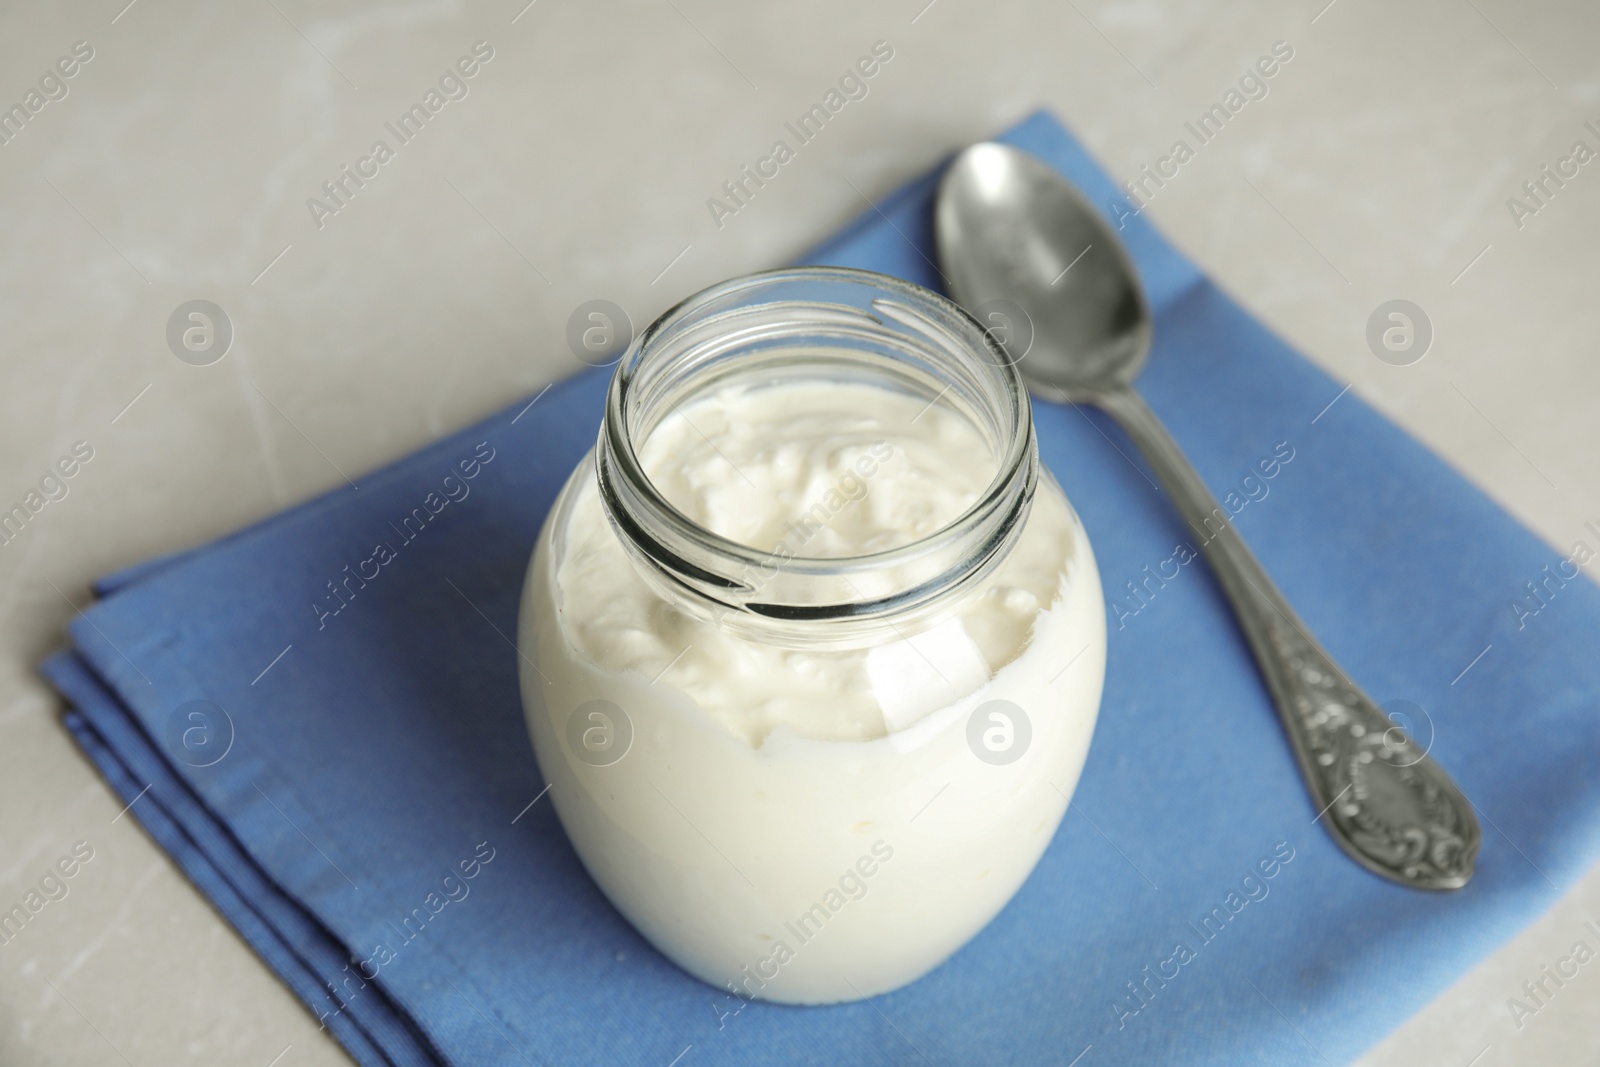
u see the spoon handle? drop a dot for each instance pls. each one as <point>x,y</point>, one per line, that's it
<point>1384,800</point>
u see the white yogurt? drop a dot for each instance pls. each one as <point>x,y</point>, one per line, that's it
<point>798,824</point>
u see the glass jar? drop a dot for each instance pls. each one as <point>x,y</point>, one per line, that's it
<point>809,769</point>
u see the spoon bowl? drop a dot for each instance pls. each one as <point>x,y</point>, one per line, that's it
<point>1011,232</point>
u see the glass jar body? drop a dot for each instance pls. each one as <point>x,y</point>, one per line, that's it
<point>798,868</point>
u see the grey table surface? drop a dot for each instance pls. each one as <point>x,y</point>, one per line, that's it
<point>176,163</point>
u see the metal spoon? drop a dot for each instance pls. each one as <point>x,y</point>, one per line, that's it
<point>1014,237</point>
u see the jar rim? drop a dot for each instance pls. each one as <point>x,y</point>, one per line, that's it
<point>998,510</point>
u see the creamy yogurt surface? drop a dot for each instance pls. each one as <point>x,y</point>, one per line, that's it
<point>797,823</point>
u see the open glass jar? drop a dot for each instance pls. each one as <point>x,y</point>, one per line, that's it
<point>812,645</point>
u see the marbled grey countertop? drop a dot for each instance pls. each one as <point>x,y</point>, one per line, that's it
<point>179,160</point>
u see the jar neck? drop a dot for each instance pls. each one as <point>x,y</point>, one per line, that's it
<point>807,325</point>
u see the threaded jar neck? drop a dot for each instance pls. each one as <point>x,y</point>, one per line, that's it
<point>810,324</point>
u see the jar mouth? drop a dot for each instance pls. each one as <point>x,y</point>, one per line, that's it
<point>809,324</point>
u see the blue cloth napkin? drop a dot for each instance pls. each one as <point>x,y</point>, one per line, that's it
<point>340,763</point>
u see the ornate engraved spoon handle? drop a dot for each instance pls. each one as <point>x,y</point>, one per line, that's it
<point>1384,800</point>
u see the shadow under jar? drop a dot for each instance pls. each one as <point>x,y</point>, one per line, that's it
<point>812,644</point>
